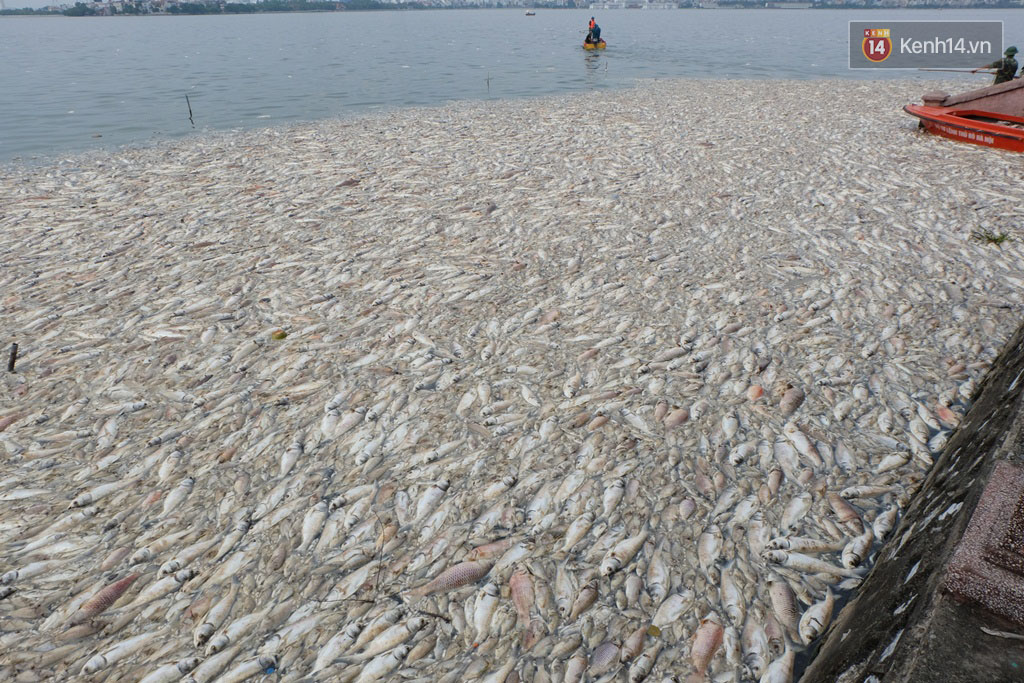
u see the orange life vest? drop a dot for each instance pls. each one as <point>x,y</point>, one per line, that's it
<point>592,24</point>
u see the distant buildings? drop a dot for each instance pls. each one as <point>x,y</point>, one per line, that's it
<point>634,4</point>
<point>119,7</point>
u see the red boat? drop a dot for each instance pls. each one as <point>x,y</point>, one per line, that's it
<point>1005,98</point>
<point>985,128</point>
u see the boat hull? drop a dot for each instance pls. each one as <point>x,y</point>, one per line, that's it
<point>1005,98</point>
<point>984,128</point>
<point>600,45</point>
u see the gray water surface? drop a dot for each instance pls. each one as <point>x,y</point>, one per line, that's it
<point>72,84</point>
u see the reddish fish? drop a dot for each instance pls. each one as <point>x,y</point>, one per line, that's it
<point>7,420</point>
<point>102,600</point>
<point>521,588</point>
<point>705,642</point>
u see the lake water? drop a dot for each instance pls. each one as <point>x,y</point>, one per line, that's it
<point>70,85</point>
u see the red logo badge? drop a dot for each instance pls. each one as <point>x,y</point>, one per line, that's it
<point>876,45</point>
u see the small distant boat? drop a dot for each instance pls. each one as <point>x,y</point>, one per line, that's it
<point>985,128</point>
<point>530,13</point>
<point>599,45</point>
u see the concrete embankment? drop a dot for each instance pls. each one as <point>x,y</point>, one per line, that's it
<point>946,600</point>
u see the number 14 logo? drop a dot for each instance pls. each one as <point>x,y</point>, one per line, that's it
<point>877,48</point>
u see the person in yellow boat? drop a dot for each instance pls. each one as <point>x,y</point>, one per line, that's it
<point>594,32</point>
<point>1005,67</point>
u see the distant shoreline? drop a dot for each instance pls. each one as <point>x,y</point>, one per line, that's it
<point>28,12</point>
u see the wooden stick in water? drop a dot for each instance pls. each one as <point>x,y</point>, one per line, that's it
<point>190,112</point>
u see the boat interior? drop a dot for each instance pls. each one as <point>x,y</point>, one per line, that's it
<point>990,117</point>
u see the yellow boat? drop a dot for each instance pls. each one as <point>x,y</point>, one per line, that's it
<point>599,45</point>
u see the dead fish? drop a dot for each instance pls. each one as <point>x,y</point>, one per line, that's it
<point>816,618</point>
<point>791,400</point>
<point>454,577</point>
<point>102,600</point>
<point>706,642</point>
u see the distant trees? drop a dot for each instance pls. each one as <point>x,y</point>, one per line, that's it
<point>275,6</point>
<point>296,6</point>
<point>80,10</point>
<point>281,6</point>
<point>135,7</point>
<point>193,8</point>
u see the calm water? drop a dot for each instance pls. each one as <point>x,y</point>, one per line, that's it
<point>74,84</point>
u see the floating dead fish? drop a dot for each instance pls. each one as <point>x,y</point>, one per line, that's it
<point>524,422</point>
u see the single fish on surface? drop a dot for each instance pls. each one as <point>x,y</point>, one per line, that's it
<point>102,600</point>
<point>454,577</point>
